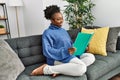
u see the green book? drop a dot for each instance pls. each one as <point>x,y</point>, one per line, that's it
<point>81,42</point>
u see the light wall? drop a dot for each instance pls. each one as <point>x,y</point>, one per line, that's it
<point>32,21</point>
<point>12,20</point>
<point>35,22</point>
<point>13,23</point>
<point>33,16</point>
<point>107,12</point>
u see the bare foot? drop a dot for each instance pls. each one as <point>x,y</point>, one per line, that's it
<point>38,71</point>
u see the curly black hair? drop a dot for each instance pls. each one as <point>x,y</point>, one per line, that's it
<point>50,11</point>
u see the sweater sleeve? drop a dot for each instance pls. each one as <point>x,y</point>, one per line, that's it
<point>50,52</point>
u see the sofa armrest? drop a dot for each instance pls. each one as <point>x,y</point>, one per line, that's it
<point>118,43</point>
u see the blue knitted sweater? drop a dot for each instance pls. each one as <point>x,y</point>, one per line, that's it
<point>56,41</point>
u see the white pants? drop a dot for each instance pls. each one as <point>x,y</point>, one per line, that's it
<point>76,66</point>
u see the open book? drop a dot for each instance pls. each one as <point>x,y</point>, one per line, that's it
<point>81,42</point>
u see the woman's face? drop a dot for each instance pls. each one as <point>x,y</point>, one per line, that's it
<point>57,19</point>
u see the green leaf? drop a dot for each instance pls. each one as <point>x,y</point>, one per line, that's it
<point>78,13</point>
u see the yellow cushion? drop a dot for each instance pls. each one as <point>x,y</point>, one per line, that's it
<point>97,44</point>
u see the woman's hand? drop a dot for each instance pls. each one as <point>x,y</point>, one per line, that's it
<point>87,49</point>
<point>71,50</point>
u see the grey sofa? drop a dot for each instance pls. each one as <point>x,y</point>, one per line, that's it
<point>29,50</point>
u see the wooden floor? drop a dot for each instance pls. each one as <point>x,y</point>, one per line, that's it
<point>117,77</point>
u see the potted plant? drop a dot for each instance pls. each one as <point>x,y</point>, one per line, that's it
<point>2,29</point>
<point>78,13</point>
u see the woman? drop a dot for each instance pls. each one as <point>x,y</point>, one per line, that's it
<point>57,48</point>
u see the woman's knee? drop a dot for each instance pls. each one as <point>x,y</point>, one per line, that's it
<point>92,57</point>
<point>81,69</point>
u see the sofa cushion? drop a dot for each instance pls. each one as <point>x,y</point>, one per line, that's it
<point>103,65</point>
<point>112,39</point>
<point>97,44</point>
<point>10,65</point>
<point>26,75</point>
<point>73,33</point>
<point>29,49</point>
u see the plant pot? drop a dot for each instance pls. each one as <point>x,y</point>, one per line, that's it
<point>2,30</point>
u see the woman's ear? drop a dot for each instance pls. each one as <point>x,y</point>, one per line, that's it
<point>52,20</point>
